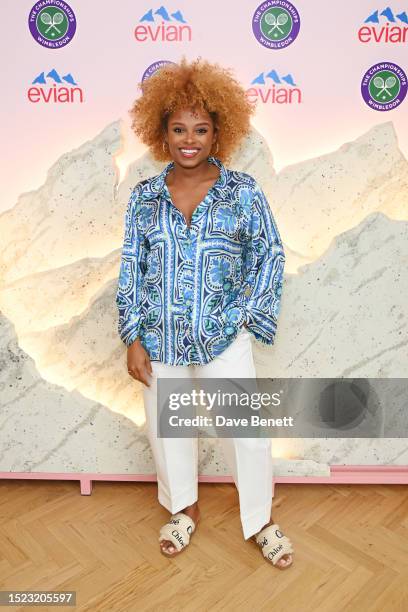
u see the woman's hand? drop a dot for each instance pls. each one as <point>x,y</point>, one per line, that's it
<point>138,362</point>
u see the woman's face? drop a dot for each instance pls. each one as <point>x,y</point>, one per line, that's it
<point>190,136</point>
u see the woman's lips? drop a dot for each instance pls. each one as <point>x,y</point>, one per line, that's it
<point>189,152</point>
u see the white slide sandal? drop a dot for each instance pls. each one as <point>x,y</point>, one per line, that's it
<point>178,531</point>
<point>274,544</point>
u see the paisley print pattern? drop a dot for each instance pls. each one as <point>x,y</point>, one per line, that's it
<point>186,291</point>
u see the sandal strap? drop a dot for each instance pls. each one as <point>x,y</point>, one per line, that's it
<point>274,543</point>
<point>178,530</point>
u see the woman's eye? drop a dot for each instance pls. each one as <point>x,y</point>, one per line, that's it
<point>200,130</point>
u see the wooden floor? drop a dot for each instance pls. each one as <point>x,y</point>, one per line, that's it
<point>351,549</point>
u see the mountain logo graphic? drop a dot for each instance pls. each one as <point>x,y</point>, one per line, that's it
<point>276,24</point>
<point>273,75</point>
<point>388,15</point>
<point>52,87</point>
<point>278,89</point>
<point>53,25</point>
<point>161,26</point>
<point>384,27</point>
<point>162,14</point>
<point>53,74</point>
<point>384,86</point>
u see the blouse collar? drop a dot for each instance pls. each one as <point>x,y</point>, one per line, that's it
<point>158,184</point>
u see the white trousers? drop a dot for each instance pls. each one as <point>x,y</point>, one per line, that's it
<point>176,459</point>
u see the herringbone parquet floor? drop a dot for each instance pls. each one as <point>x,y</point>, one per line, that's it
<point>351,549</point>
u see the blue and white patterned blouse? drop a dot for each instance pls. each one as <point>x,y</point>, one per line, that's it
<point>185,291</point>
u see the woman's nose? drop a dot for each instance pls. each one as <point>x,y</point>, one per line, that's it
<point>189,142</point>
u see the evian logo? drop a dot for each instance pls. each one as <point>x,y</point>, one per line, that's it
<point>164,27</point>
<point>271,88</point>
<point>52,87</point>
<point>390,29</point>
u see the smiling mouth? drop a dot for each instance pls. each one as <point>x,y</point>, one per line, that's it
<point>188,152</point>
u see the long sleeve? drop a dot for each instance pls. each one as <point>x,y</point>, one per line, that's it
<point>132,270</point>
<point>258,300</point>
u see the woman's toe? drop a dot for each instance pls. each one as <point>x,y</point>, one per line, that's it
<point>167,546</point>
<point>285,560</point>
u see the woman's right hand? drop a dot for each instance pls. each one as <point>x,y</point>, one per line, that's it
<point>138,362</point>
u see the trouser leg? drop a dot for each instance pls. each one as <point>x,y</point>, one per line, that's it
<point>176,459</point>
<point>249,459</point>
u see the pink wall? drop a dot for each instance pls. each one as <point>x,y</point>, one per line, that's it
<point>326,60</point>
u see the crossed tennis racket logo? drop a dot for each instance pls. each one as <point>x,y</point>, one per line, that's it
<point>52,21</point>
<point>382,85</point>
<point>275,22</point>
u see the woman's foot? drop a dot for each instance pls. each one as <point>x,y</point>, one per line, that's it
<point>285,560</point>
<point>193,512</point>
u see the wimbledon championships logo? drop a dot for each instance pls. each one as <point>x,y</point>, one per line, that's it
<point>150,70</point>
<point>52,23</point>
<point>384,86</point>
<point>276,24</point>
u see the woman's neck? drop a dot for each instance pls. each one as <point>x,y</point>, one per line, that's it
<point>191,176</point>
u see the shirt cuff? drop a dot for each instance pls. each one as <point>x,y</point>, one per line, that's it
<point>133,327</point>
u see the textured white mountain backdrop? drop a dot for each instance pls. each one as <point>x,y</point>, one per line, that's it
<point>68,404</point>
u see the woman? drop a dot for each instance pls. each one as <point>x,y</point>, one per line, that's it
<point>201,270</point>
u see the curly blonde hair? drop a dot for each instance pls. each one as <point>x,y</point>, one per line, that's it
<point>198,84</point>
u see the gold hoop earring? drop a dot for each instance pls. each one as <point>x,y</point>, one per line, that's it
<point>216,151</point>
<point>164,146</point>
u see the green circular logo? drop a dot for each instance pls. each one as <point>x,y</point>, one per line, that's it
<point>384,86</point>
<point>52,23</point>
<point>276,23</point>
